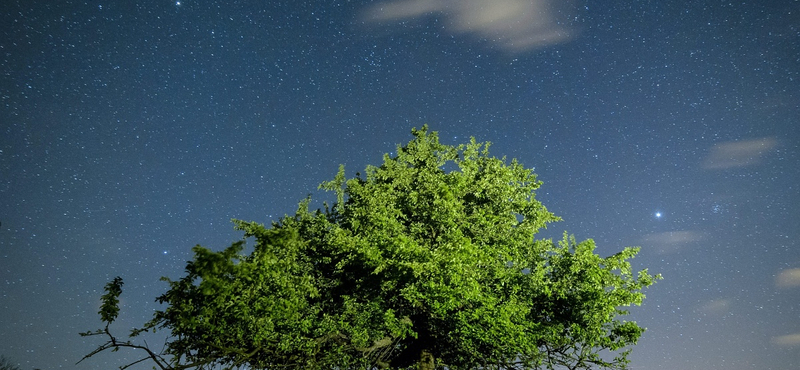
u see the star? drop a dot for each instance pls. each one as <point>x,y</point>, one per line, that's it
<point>658,215</point>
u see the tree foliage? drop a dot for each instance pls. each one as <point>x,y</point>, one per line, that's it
<point>428,261</point>
<point>7,364</point>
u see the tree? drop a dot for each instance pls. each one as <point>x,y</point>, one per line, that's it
<point>428,261</point>
<point>7,364</point>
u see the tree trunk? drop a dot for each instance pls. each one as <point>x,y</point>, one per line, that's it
<point>426,360</point>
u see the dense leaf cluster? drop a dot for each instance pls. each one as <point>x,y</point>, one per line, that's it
<point>427,261</point>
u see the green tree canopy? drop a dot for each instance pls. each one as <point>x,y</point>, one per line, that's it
<point>428,261</point>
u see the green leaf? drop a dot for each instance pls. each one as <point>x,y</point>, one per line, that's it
<point>109,308</point>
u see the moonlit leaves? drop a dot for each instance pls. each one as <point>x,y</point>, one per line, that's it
<point>432,253</point>
<point>109,309</point>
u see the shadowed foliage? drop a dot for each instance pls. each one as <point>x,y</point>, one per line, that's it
<point>6,364</point>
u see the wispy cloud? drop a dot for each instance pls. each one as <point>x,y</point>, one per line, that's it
<point>787,340</point>
<point>738,153</point>
<point>670,242</point>
<point>716,307</point>
<point>515,25</point>
<point>788,278</point>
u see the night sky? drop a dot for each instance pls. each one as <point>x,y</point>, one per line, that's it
<point>131,131</point>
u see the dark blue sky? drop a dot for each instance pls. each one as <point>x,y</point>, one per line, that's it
<point>131,131</point>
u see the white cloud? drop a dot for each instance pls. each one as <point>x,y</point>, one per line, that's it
<point>788,278</point>
<point>738,153</point>
<point>787,340</point>
<point>515,25</point>
<point>670,242</point>
<point>716,307</point>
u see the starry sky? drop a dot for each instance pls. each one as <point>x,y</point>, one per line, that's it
<point>131,131</point>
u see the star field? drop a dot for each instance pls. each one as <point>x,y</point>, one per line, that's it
<point>132,131</point>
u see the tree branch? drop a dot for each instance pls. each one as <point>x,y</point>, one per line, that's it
<point>113,344</point>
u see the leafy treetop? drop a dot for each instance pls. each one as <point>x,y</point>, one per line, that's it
<point>428,261</point>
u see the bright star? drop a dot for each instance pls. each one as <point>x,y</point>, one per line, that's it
<point>658,214</point>
<point>177,3</point>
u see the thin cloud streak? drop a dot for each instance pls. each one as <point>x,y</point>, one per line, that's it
<point>515,25</point>
<point>671,241</point>
<point>787,340</point>
<point>738,153</point>
<point>788,278</point>
<point>716,307</point>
